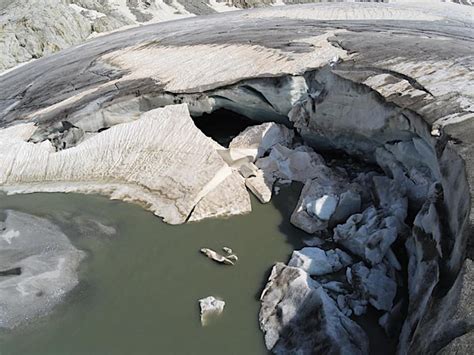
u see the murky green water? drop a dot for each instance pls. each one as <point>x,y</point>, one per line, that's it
<point>139,288</point>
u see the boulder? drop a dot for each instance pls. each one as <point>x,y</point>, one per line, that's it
<point>39,268</point>
<point>317,262</point>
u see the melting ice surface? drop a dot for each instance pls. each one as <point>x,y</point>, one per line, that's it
<point>139,289</point>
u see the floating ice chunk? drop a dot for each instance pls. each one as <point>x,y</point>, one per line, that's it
<point>211,254</point>
<point>210,306</point>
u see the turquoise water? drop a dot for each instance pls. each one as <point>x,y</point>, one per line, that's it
<point>139,288</point>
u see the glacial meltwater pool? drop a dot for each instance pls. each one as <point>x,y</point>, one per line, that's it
<point>139,289</point>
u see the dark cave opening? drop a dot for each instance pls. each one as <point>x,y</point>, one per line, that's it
<point>223,125</point>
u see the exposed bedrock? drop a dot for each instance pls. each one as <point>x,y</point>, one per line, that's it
<point>37,272</point>
<point>392,225</point>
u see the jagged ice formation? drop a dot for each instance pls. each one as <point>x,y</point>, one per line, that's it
<point>388,90</point>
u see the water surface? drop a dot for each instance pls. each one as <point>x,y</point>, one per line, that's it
<point>139,288</point>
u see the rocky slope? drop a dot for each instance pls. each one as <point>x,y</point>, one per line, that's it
<point>393,93</point>
<point>31,29</point>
